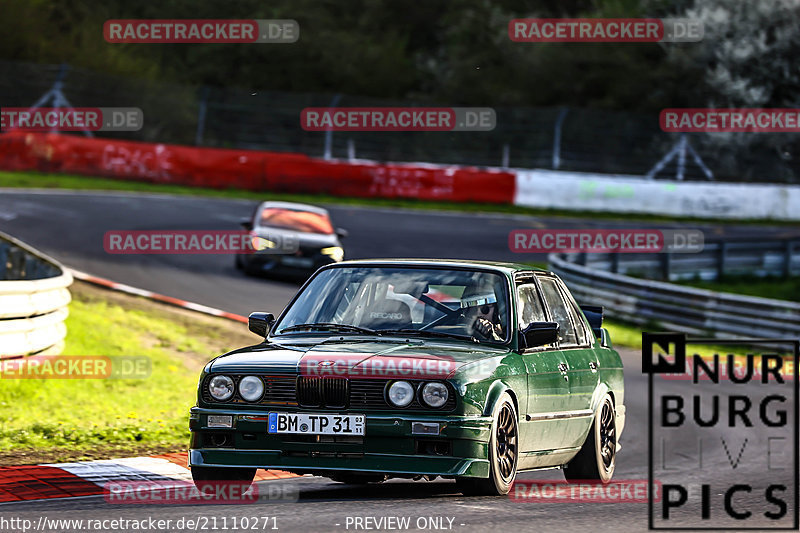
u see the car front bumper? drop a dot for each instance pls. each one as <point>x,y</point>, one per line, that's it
<point>283,264</point>
<point>388,445</point>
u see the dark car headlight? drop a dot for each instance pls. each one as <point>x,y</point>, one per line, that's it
<point>251,388</point>
<point>435,394</point>
<point>220,388</point>
<point>401,393</point>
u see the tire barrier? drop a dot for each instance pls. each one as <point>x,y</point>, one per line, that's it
<point>34,296</point>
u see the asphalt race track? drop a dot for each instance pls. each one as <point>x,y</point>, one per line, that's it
<point>70,226</point>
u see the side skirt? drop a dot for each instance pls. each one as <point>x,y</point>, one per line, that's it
<point>545,460</point>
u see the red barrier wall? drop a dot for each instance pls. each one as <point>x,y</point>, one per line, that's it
<point>252,170</point>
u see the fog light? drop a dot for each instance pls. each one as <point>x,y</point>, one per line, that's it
<point>424,428</point>
<point>220,421</point>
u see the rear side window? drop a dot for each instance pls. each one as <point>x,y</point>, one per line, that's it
<point>560,311</point>
<point>530,306</point>
<point>577,320</point>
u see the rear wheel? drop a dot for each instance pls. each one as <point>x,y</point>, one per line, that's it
<point>503,453</point>
<point>597,458</point>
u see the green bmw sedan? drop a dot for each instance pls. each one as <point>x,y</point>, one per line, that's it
<point>467,370</point>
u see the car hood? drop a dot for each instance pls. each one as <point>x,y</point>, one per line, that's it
<point>367,359</point>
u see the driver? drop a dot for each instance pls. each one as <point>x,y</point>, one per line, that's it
<point>484,317</point>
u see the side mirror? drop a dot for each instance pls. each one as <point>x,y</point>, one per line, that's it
<point>540,333</point>
<point>260,323</point>
<point>246,223</point>
<point>342,233</point>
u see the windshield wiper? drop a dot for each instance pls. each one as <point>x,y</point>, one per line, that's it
<point>429,333</point>
<point>329,326</point>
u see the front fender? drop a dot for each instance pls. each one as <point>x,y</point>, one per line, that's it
<point>493,395</point>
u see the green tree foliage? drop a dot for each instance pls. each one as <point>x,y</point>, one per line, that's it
<point>452,51</point>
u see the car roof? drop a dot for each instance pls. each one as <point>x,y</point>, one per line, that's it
<point>506,267</point>
<point>293,205</point>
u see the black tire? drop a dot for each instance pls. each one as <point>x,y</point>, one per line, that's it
<point>597,459</point>
<point>211,476</point>
<point>503,453</point>
<point>357,479</point>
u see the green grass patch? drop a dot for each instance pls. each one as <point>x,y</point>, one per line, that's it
<point>83,413</point>
<point>67,181</point>
<point>630,336</point>
<point>765,287</point>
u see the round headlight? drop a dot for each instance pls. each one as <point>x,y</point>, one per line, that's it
<point>401,393</point>
<point>221,388</point>
<point>251,388</point>
<point>434,394</point>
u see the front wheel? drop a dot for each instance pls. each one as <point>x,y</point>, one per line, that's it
<point>597,458</point>
<point>503,453</point>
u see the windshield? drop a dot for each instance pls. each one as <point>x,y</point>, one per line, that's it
<point>294,219</point>
<point>422,301</point>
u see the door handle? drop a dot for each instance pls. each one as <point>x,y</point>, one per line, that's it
<point>562,367</point>
<point>593,366</point>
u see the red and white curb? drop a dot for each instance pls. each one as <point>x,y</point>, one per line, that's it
<point>88,478</point>
<point>121,287</point>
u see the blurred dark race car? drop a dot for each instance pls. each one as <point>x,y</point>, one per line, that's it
<point>290,240</point>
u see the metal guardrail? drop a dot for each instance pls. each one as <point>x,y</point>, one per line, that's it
<point>718,259</point>
<point>33,300</point>
<point>662,305</point>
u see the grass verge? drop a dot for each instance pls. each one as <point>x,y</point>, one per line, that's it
<point>58,419</point>
<point>630,336</point>
<point>768,287</point>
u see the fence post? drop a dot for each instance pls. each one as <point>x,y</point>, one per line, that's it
<point>614,263</point>
<point>665,265</point>
<point>329,132</point>
<point>722,253</point>
<point>787,258</point>
<point>557,138</point>
<point>201,117</point>
<point>504,163</point>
